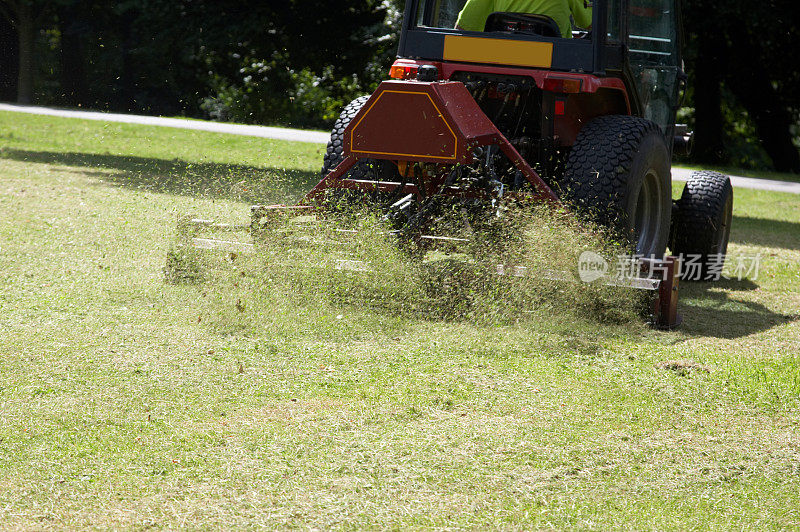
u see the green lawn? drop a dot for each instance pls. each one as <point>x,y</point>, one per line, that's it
<point>126,402</point>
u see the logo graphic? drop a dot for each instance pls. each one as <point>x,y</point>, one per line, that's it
<point>591,266</point>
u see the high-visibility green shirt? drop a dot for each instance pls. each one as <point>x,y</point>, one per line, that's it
<point>473,16</point>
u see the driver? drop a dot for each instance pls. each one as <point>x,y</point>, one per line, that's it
<point>473,16</point>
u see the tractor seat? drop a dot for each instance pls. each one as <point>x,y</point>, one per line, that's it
<point>508,22</point>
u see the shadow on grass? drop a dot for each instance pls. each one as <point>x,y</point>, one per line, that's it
<point>248,184</point>
<point>713,309</point>
<point>764,232</point>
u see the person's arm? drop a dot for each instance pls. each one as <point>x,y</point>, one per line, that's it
<point>473,16</point>
<point>581,14</point>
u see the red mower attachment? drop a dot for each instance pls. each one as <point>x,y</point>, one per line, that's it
<point>199,237</point>
<point>666,274</point>
<point>428,122</point>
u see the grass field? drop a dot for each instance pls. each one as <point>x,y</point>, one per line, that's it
<point>126,402</point>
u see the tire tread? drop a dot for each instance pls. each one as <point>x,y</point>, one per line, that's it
<point>334,154</point>
<point>699,212</point>
<point>599,165</point>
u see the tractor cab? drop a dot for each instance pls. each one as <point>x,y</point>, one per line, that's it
<point>635,42</point>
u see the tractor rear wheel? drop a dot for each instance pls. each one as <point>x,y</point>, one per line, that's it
<point>618,174</point>
<point>703,224</point>
<point>335,152</point>
<point>367,169</point>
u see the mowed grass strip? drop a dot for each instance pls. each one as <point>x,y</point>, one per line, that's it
<point>126,402</point>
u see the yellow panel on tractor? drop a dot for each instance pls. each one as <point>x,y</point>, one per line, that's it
<point>499,51</point>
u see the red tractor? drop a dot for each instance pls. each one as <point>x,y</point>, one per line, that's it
<point>518,110</point>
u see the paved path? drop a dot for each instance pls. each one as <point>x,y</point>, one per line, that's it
<point>280,133</point>
<point>317,137</point>
<point>682,174</point>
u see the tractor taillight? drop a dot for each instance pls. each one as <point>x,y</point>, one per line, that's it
<point>562,85</point>
<point>403,71</point>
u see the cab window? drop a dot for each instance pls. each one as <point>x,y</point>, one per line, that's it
<point>652,32</point>
<point>439,13</point>
<point>653,56</point>
<point>444,14</point>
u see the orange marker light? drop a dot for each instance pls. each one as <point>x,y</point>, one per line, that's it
<point>403,71</point>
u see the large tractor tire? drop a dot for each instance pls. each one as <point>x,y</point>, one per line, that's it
<point>363,169</point>
<point>702,225</point>
<point>618,174</point>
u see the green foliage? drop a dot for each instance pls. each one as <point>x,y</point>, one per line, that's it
<point>741,51</point>
<point>267,93</point>
<point>308,71</point>
<point>297,62</point>
<point>294,62</point>
<point>740,147</point>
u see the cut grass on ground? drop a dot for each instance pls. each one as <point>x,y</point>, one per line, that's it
<point>126,402</point>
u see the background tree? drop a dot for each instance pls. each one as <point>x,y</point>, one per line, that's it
<point>743,67</point>
<point>297,62</point>
<point>23,17</point>
<point>9,60</point>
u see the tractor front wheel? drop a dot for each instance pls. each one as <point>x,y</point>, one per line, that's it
<point>703,224</point>
<point>618,174</point>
